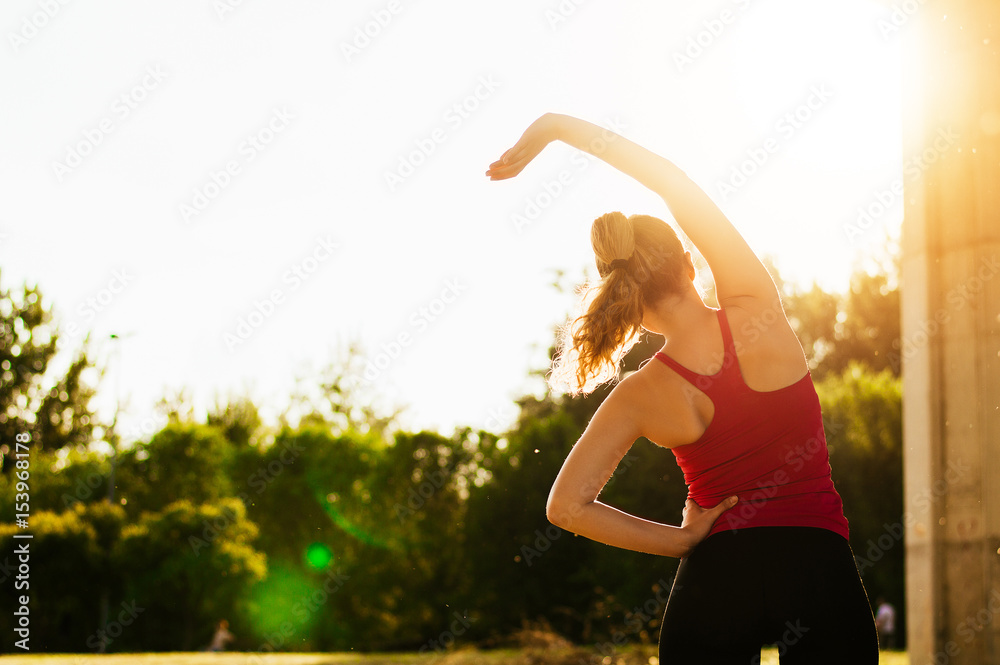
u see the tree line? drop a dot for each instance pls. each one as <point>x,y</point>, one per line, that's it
<point>341,531</point>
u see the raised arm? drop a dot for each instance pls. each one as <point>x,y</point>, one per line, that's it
<point>739,274</point>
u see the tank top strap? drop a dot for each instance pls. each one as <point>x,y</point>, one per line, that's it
<point>702,381</point>
<point>692,377</point>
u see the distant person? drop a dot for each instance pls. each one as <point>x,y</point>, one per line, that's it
<point>885,621</point>
<point>221,637</point>
<point>763,540</point>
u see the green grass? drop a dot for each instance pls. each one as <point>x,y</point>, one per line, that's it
<point>576,656</point>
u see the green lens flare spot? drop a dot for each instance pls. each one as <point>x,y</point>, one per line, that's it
<point>318,556</point>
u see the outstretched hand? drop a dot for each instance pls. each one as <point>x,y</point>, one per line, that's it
<point>538,135</point>
<point>698,521</point>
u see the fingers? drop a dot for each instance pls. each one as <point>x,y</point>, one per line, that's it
<point>500,170</point>
<point>496,168</point>
<point>514,153</point>
<point>726,504</point>
<point>511,162</point>
<point>720,507</point>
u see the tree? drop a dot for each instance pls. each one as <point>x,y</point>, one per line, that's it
<point>186,567</point>
<point>54,410</point>
<point>342,398</point>
<point>862,325</point>
<point>239,421</point>
<point>863,414</point>
<point>181,461</point>
<point>60,481</point>
<point>73,549</point>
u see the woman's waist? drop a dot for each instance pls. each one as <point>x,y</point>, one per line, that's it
<point>710,491</point>
<point>823,508</point>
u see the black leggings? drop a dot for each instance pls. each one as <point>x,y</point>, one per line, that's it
<point>793,587</point>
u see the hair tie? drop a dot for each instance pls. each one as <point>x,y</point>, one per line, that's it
<point>619,263</point>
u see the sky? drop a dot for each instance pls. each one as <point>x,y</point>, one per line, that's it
<point>240,190</point>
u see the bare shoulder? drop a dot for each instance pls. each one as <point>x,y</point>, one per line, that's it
<point>769,351</point>
<point>617,419</point>
<point>753,320</point>
<point>666,408</point>
<point>625,399</point>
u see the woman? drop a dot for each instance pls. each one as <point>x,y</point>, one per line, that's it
<point>763,540</point>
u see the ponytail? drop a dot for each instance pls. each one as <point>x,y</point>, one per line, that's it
<point>640,261</point>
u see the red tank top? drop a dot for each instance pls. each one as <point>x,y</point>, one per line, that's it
<point>769,448</point>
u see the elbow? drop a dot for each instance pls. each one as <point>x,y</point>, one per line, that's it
<point>561,512</point>
<point>552,513</point>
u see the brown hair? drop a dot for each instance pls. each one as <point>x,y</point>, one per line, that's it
<point>649,265</point>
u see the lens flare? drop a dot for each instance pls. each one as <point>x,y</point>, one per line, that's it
<point>318,556</point>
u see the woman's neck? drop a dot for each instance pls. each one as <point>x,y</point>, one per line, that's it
<point>678,317</point>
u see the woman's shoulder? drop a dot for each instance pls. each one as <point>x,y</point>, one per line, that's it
<point>766,345</point>
<point>647,387</point>
<point>753,320</point>
<point>666,407</point>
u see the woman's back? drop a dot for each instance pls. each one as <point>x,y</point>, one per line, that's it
<point>767,352</point>
<point>767,446</point>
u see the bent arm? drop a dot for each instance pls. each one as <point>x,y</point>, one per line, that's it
<point>608,525</point>
<point>573,504</point>
<point>738,272</point>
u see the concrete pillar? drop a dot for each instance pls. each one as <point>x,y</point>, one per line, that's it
<point>951,328</point>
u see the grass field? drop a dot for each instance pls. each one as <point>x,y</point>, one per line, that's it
<point>574,656</point>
